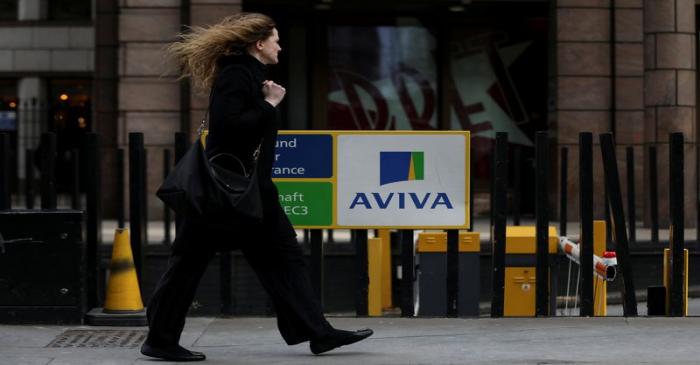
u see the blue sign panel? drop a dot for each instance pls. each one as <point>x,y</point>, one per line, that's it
<point>8,121</point>
<point>306,156</point>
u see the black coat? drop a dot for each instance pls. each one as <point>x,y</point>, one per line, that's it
<point>239,120</point>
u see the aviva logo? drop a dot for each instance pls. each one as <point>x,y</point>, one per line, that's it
<point>400,166</point>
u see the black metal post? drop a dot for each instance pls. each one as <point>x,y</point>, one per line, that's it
<point>407,272</point>
<point>93,216</point>
<point>361,300</point>
<point>5,190</point>
<point>517,188</point>
<point>542,223</point>
<point>563,196</point>
<point>499,224</point>
<point>29,178</point>
<point>631,206</point>
<point>75,173</point>
<point>119,193</point>
<point>653,195</point>
<point>608,223</point>
<point>585,159</point>
<point>452,273</point>
<point>225,282</point>
<point>617,218</point>
<point>48,168</point>
<point>677,243</point>
<point>317,261</point>
<point>167,219</point>
<point>492,185</point>
<point>181,145</point>
<point>137,196</point>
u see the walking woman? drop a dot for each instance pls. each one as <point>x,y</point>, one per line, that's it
<point>229,59</point>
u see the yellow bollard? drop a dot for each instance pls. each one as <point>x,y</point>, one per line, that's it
<point>667,280</point>
<point>600,286</point>
<point>203,137</point>
<point>385,235</point>
<point>123,293</point>
<point>521,272</point>
<point>374,261</point>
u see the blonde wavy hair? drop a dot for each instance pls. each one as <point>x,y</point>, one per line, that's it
<point>196,51</point>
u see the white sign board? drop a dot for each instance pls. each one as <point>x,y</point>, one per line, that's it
<point>418,180</point>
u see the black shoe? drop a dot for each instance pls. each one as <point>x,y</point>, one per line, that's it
<point>172,353</point>
<point>338,338</point>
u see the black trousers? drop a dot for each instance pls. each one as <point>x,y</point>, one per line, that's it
<point>278,263</point>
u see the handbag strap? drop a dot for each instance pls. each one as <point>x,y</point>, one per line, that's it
<point>205,120</point>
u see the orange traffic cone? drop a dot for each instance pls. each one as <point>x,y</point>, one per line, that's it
<point>123,305</point>
<point>123,293</point>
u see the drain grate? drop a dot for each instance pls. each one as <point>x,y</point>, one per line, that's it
<point>99,339</point>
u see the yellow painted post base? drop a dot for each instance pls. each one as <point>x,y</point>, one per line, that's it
<point>667,280</point>
<point>374,292</point>
<point>600,286</point>
<point>385,236</point>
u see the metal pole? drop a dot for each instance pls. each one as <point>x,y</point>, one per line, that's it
<point>542,223</point>
<point>617,217</point>
<point>653,195</point>
<point>517,188</point>
<point>452,273</point>
<point>48,167</point>
<point>407,273</point>
<point>608,225</point>
<point>586,212</point>
<point>499,223</point>
<point>75,172</point>
<point>317,266</point>
<point>119,193</point>
<point>136,197</point>
<point>29,178</point>
<point>492,185</point>
<point>677,244</point>
<point>166,211</point>
<point>94,216</point>
<point>563,197</point>
<point>5,195</point>
<point>361,306</point>
<point>631,205</point>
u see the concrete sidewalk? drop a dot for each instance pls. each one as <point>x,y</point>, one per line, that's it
<point>561,340</point>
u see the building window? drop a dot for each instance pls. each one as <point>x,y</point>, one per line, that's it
<point>70,10</point>
<point>8,106</point>
<point>8,123</point>
<point>395,85</point>
<point>481,71</point>
<point>69,100</point>
<point>70,118</point>
<point>8,9</point>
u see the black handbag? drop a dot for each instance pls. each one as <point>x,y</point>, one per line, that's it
<point>217,190</point>
<point>214,191</point>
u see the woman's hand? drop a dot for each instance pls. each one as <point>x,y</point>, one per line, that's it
<point>274,93</point>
